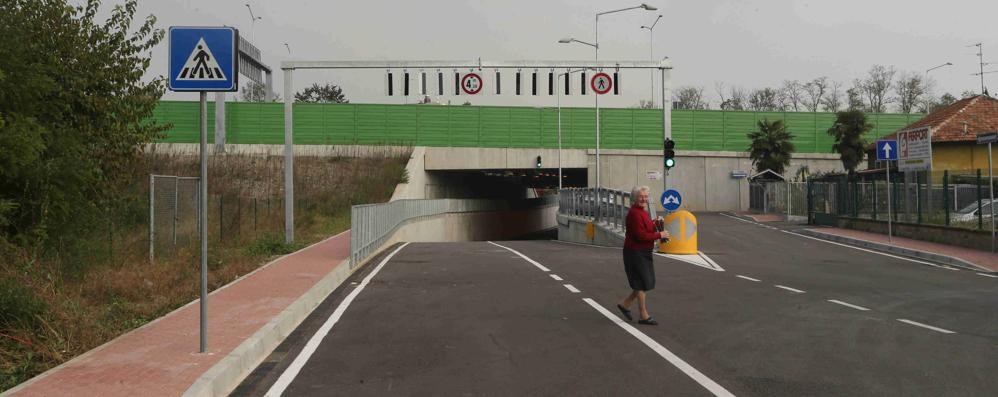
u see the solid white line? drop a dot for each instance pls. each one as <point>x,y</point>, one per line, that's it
<point>539,266</point>
<point>743,220</point>
<point>697,376</point>
<point>987,275</point>
<point>748,278</point>
<point>585,245</point>
<point>918,324</point>
<point>313,343</point>
<point>870,251</point>
<point>789,289</point>
<point>555,277</point>
<point>572,288</point>
<point>848,305</point>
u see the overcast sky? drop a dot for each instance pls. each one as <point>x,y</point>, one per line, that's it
<point>746,43</point>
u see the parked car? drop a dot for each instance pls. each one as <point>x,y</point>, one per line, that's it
<point>969,213</point>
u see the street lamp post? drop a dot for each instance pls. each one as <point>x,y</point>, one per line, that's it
<point>651,56</point>
<point>558,88</point>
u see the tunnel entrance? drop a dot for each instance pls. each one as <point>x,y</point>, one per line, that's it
<point>510,184</point>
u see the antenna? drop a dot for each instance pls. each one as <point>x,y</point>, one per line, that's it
<point>980,60</point>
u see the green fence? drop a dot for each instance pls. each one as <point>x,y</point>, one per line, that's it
<point>494,126</point>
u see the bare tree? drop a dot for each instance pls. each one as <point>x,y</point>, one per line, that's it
<point>737,100</point>
<point>815,90</point>
<point>910,89</point>
<point>876,87</point>
<point>719,88</point>
<point>690,98</point>
<point>791,95</point>
<point>832,101</point>
<point>765,99</point>
<point>854,97</point>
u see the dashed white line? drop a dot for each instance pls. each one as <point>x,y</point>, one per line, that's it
<point>748,278</point>
<point>857,307</point>
<point>688,369</point>
<point>555,277</point>
<point>539,266</point>
<point>572,288</point>
<point>918,324</point>
<point>292,371</point>
<point>789,289</point>
<point>987,275</point>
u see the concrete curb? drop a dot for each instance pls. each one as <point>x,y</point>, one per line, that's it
<point>225,375</point>
<point>908,252</point>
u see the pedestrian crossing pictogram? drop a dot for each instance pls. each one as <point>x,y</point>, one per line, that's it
<point>201,65</point>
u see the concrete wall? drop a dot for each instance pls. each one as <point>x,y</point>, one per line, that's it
<point>573,230</point>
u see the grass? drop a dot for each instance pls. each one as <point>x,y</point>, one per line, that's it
<point>57,304</point>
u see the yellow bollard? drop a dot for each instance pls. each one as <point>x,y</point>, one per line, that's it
<point>682,225</point>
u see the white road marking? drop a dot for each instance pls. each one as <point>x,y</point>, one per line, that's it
<point>748,278</point>
<point>918,324</point>
<point>871,251</point>
<point>555,277</point>
<point>700,259</point>
<point>572,288</point>
<point>789,289</point>
<point>848,305</point>
<point>697,376</point>
<point>539,266</point>
<point>292,371</point>
<point>586,245</point>
<point>743,220</point>
<point>987,275</point>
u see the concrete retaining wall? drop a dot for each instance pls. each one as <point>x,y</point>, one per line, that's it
<point>573,230</point>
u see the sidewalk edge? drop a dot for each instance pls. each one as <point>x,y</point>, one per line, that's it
<point>909,252</point>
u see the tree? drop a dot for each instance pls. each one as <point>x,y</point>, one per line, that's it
<point>737,98</point>
<point>645,104</point>
<point>909,89</point>
<point>815,93</point>
<point>766,99</point>
<point>854,98</point>
<point>832,101</point>
<point>327,93</point>
<point>689,98</point>
<point>943,101</point>
<point>256,92</point>
<point>75,112</point>
<point>792,95</point>
<point>968,94</point>
<point>848,131</point>
<point>876,86</point>
<point>771,146</point>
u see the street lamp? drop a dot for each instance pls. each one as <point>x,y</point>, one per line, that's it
<point>595,46</point>
<point>253,20</point>
<point>937,67</point>
<point>651,56</point>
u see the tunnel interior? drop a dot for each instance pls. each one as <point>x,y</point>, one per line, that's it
<point>510,184</point>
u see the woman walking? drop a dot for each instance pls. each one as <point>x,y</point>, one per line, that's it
<point>639,240</point>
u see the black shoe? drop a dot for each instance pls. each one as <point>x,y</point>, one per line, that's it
<point>648,321</point>
<point>625,312</point>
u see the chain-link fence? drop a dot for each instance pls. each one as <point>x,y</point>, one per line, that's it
<point>173,214</point>
<point>946,198</point>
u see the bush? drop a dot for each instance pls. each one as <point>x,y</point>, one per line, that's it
<point>19,307</point>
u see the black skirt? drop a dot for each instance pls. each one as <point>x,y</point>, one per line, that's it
<point>640,269</point>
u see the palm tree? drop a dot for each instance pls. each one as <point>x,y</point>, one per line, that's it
<point>771,146</point>
<point>848,132</point>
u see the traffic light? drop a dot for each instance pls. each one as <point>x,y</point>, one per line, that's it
<point>538,161</point>
<point>669,153</point>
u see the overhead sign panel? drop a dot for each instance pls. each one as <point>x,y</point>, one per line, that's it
<point>915,149</point>
<point>203,59</point>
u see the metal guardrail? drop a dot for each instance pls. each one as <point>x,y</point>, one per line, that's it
<point>600,205</point>
<point>372,224</point>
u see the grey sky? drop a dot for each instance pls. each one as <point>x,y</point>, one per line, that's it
<point>750,44</point>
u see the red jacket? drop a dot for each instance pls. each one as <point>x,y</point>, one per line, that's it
<point>641,233</point>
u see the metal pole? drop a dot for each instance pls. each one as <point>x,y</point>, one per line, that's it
<point>559,129</point>
<point>596,97</point>
<point>219,122</point>
<point>890,237</point>
<point>651,57</point>
<point>176,207</point>
<point>152,216</point>
<point>203,206</point>
<point>289,184</point>
<point>991,187</point>
<point>666,122</point>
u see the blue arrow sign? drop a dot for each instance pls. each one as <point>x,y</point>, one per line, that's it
<point>887,150</point>
<point>204,59</point>
<point>671,200</point>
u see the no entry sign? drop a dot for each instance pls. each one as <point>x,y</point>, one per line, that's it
<point>471,83</point>
<point>601,83</point>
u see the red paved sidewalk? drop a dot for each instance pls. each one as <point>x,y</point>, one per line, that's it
<point>980,258</point>
<point>162,359</point>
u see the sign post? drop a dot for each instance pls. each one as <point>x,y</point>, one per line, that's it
<point>888,151</point>
<point>203,59</point>
<point>989,138</point>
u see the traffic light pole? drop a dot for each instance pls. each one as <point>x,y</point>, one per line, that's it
<point>666,122</point>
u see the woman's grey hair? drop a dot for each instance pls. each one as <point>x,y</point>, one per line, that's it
<point>635,191</point>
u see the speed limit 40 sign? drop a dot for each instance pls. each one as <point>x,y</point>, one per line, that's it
<point>471,83</point>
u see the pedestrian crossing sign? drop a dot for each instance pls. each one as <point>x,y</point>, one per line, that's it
<point>204,59</point>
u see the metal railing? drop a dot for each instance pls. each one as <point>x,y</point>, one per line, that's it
<point>372,224</point>
<point>601,205</point>
<point>779,197</point>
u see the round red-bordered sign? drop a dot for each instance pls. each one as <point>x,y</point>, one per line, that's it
<point>602,80</point>
<point>471,83</point>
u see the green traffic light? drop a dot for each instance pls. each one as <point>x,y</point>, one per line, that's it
<point>669,163</point>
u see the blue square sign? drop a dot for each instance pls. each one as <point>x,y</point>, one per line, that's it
<point>204,58</point>
<point>887,150</point>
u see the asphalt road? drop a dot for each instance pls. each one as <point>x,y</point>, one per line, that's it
<point>789,315</point>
